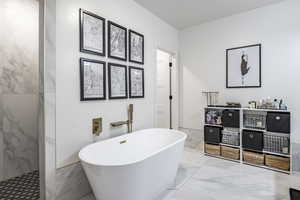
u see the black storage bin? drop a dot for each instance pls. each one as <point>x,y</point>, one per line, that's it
<point>253,140</point>
<point>294,194</point>
<point>212,134</point>
<point>279,122</point>
<point>231,118</point>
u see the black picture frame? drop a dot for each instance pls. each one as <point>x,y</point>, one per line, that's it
<point>110,66</point>
<point>130,82</point>
<point>110,24</point>
<point>83,12</point>
<point>227,66</point>
<point>82,79</point>
<point>131,32</point>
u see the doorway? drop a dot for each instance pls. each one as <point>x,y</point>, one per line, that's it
<point>166,100</point>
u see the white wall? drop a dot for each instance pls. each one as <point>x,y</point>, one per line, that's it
<point>73,122</point>
<point>203,60</point>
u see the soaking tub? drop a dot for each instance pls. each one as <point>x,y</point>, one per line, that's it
<point>137,166</point>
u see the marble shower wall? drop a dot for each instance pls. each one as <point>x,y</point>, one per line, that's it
<point>18,87</point>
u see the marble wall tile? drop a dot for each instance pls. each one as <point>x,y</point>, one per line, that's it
<point>19,126</point>
<point>48,82</point>
<point>18,87</point>
<point>19,47</point>
<point>296,157</point>
<point>50,145</point>
<point>71,183</point>
<point>89,197</point>
<point>1,154</point>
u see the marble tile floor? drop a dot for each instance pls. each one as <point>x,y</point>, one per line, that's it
<point>206,178</point>
<point>21,187</point>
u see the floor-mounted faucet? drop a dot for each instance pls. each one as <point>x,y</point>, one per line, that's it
<point>128,122</point>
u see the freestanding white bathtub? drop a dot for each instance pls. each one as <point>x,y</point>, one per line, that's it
<point>136,166</point>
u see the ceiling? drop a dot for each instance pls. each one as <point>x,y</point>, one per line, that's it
<point>185,13</point>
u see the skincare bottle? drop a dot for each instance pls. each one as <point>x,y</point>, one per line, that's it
<point>276,104</point>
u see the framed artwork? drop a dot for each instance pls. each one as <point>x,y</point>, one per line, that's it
<point>243,67</point>
<point>136,47</point>
<point>92,33</point>
<point>117,81</point>
<point>92,80</point>
<point>117,41</point>
<point>136,82</point>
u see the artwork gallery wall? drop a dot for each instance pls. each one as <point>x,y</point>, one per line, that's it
<point>74,117</point>
<point>203,61</point>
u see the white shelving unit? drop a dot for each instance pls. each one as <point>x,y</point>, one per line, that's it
<point>242,110</point>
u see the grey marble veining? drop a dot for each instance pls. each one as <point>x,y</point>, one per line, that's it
<point>1,153</point>
<point>18,87</point>
<point>296,157</point>
<point>19,71</point>
<point>19,127</point>
<point>48,81</point>
<point>19,47</point>
<point>71,183</point>
<point>89,197</point>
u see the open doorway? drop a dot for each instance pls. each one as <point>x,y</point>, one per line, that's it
<point>166,101</point>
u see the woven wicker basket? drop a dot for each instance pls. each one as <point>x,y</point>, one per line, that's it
<point>278,162</point>
<point>254,158</point>
<point>231,153</point>
<point>213,149</point>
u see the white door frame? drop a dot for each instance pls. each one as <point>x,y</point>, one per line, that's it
<point>175,88</point>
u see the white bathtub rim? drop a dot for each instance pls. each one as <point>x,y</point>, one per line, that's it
<point>136,161</point>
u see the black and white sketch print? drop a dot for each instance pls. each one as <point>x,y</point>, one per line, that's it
<point>117,41</point>
<point>117,81</point>
<point>136,47</point>
<point>92,33</point>
<point>136,82</point>
<point>243,67</point>
<point>92,80</point>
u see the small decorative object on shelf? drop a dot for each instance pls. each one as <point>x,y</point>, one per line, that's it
<point>252,104</point>
<point>211,98</point>
<point>268,104</point>
<point>213,117</point>
<point>233,105</point>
